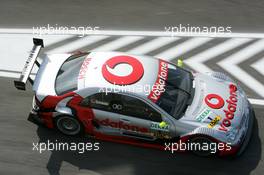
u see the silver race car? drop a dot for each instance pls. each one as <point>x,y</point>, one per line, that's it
<point>137,100</point>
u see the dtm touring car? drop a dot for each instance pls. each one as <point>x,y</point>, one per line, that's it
<point>104,95</point>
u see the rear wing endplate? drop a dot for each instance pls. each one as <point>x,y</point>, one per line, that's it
<point>31,61</point>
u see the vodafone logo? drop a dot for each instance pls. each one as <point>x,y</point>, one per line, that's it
<point>132,78</point>
<point>214,101</point>
<point>159,86</point>
<point>121,125</point>
<point>231,108</point>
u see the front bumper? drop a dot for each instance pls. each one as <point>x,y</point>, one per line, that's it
<point>243,137</point>
<point>250,123</point>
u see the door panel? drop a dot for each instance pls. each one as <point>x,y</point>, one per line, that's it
<point>133,127</point>
<point>108,122</point>
<point>148,130</point>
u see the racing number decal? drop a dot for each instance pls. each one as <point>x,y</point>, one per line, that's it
<point>219,104</point>
<point>132,78</point>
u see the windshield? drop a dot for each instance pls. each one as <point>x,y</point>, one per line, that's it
<point>178,92</point>
<point>67,77</point>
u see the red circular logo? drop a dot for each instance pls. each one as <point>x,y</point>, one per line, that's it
<point>219,104</point>
<point>133,77</point>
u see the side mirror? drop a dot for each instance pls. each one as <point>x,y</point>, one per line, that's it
<point>180,62</point>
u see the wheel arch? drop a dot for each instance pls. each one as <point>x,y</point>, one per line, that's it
<point>64,110</point>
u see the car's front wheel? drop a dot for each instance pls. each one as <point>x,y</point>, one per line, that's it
<point>68,125</point>
<point>203,146</point>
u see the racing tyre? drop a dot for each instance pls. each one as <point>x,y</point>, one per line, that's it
<point>69,125</point>
<point>200,140</point>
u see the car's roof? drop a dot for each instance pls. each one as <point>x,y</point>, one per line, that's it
<point>120,71</point>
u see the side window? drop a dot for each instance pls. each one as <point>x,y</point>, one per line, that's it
<point>139,109</point>
<point>98,101</point>
<point>122,104</point>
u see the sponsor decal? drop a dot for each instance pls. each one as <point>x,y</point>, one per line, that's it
<point>121,125</point>
<point>161,135</point>
<point>213,121</point>
<point>159,86</point>
<point>231,108</point>
<point>203,115</point>
<point>133,77</point>
<point>210,101</point>
<point>156,126</point>
<point>31,56</point>
<point>84,68</point>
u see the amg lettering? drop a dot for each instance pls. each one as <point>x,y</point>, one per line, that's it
<point>84,68</point>
<point>121,125</point>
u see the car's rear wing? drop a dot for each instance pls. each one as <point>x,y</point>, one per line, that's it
<point>31,61</point>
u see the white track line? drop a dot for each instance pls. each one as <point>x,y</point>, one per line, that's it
<point>152,45</point>
<point>139,33</point>
<point>182,48</point>
<point>230,65</point>
<point>196,62</point>
<point>259,66</point>
<point>256,101</point>
<point>29,32</point>
<point>9,74</point>
<point>84,41</point>
<point>52,40</point>
<point>14,74</point>
<point>118,43</point>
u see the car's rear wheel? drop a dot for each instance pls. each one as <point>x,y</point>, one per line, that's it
<point>68,125</point>
<point>204,143</point>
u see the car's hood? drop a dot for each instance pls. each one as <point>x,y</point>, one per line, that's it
<point>217,104</point>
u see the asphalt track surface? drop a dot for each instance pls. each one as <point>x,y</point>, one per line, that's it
<point>241,15</point>
<point>17,134</point>
<point>17,157</point>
